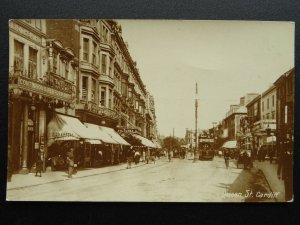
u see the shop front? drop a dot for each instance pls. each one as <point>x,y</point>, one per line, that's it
<point>64,132</point>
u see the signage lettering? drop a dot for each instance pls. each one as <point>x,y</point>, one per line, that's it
<point>42,88</point>
<point>25,32</point>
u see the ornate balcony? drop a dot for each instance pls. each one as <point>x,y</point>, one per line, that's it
<point>51,85</point>
<point>94,108</point>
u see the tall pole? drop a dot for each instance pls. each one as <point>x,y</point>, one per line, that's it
<point>196,121</point>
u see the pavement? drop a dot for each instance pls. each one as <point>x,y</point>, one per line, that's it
<point>19,181</point>
<point>270,172</point>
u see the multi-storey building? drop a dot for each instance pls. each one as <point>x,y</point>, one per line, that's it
<point>234,115</point>
<point>254,119</point>
<point>42,78</point>
<point>86,72</point>
<point>285,89</point>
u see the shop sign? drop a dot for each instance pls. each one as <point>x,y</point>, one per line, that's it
<point>25,32</point>
<point>206,140</point>
<point>40,88</point>
<point>127,131</point>
<point>61,134</point>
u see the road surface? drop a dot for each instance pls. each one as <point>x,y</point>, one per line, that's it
<point>180,180</point>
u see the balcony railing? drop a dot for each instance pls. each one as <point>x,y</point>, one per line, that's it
<point>94,108</point>
<point>51,85</point>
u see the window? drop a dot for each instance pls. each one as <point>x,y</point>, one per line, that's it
<point>273,100</point>
<point>84,87</point>
<point>102,96</point>
<point>32,63</point>
<point>94,53</point>
<point>93,90</point>
<point>268,103</point>
<point>85,49</point>
<point>110,66</point>
<point>19,56</point>
<point>110,99</point>
<point>38,24</point>
<point>273,115</point>
<point>54,62</point>
<point>103,64</point>
<point>255,109</point>
<point>263,106</point>
<point>67,70</point>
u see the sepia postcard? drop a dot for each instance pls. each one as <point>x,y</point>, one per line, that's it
<point>103,110</point>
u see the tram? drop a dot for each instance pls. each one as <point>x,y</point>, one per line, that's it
<point>206,148</point>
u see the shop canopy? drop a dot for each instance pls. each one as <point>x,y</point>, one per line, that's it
<point>146,142</point>
<point>64,128</point>
<point>114,135</point>
<point>100,133</point>
<point>230,144</point>
<point>157,144</point>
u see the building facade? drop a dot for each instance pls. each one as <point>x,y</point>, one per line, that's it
<point>285,103</point>
<point>86,72</point>
<point>42,75</point>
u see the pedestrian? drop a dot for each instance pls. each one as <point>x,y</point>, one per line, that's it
<point>169,155</point>
<point>226,158</point>
<point>39,165</point>
<point>130,154</point>
<point>70,162</point>
<point>136,157</point>
<point>287,174</point>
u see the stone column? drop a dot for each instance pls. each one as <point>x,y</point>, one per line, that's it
<point>26,58</point>
<point>42,133</point>
<point>24,169</point>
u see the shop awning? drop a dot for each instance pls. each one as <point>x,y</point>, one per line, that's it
<point>100,133</point>
<point>63,127</point>
<point>145,141</point>
<point>230,144</point>
<point>93,142</point>
<point>114,135</point>
<point>157,144</point>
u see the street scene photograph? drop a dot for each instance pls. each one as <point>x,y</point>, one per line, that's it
<point>113,110</point>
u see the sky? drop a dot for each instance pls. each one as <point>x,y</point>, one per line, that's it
<point>226,58</point>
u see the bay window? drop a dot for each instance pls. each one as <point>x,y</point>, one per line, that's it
<point>85,49</point>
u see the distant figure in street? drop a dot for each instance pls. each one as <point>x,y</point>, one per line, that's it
<point>39,165</point>
<point>287,172</point>
<point>226,158</point>
<point>169,156</point>
<point>70,162</point>
<point>279,161</point>
<point>137,157</point>
<point>130,154</point>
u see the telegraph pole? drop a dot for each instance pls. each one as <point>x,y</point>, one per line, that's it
<point>196,121</point>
